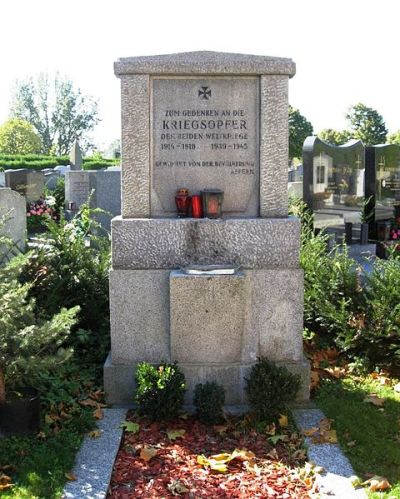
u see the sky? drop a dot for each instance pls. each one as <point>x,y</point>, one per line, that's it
<point>345,51</point>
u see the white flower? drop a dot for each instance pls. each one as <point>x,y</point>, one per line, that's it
<point>51,201</point>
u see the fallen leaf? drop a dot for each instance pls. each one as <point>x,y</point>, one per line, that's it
<point>130,426</point>
<point>373,399</point>
<point>355,481</point>
<point>41,435</point>
<point>177,488</point>
<point>212,464</point>
<point>5,482</point>
<point>270,429</point>
<point>273,454</point>
<point>242,455</point>
<point>276,438</point>
<point>252,467</point>
<point>148,453</point>
<point>314,380</point>
<point>351,444</point>
<point>283,420</point>
<point>174,434</point>
<point>70,476</point>
<point>220,429</point>
<point>95,434</point>
<point>89,403</point>
<point>330,436</point>
<point>98,414</point>
<point>311,431</point>
<point>377,484</point>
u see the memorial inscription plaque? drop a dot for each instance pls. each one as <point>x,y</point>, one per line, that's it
<point>205,135</point>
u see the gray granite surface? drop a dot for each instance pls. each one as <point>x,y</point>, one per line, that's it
<point>95,460</point>
<point>202,62</point>
<point>334,482</point>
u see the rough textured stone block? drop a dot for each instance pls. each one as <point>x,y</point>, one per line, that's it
<point>139,308</point>
<point>277,312</point>
<point>135,109</point>
<point>207,315</point>
<point>204,62</point>
<point>28,183</point>
<point>172,243</point>
<point>13,208</point>
<point>274,146</point>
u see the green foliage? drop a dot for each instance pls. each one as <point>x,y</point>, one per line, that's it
<point>60,113</point>
<point>68,272</point>
<point>394,138</point>
<point>19,137</point>
<point>270,388</point>
<point>209,400</point>
<point>377,336</point>
<point>59,195</point>
<point>367,124</point>
<point>41,161</point>
<point>29,344</point>
<point>159,390</point>
<point>335,137</point>
<point>299,130</point>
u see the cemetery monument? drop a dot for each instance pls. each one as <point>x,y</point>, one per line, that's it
<point>215,292</point>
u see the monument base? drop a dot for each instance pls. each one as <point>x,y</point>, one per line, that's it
<point>119,380</point>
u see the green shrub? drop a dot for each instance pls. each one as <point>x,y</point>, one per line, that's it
<point>270,388</point>
<point>159,390</point>
<point>66,272</point>
<point>209,400</point>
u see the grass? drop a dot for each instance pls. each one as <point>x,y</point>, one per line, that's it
<point>368,434</point>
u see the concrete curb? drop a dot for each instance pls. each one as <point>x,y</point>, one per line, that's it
<point>335,481</point>
<point>95,460</point>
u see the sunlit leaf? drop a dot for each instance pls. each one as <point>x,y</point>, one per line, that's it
<point>373,399</point>
<point>130,426</point>
<point>95,434</point>
<point>283,420</point>
<point>242,455</point>
<point>98,414</point>
<point>174,434</point>
<point>70,476</point>
<point>148,453</point>
<point>377,484</point>
<point>310,431</point>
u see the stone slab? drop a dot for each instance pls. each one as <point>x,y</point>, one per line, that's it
<point>119,382</point>
<point>95,460</point>
<point>276,313</point>
<point>207,317</point>
<point>334,482</point>
<point>139,308</point>
<point>78,186</point>
<point>173,243</point>
<point>13,208</point>
<point>28,183</point>
<point>205,135</point>
<point>204,62</point>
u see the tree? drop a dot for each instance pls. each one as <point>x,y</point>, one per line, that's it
<point>60,113</point>
<point>19,137</point>
<point>299,129</point>
<point>394,138</point>
<point>335,137</point>
<point>366,124</point>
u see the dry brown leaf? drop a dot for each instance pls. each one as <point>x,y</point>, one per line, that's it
<point>273,454</point>
<point>98,414</point>
<point>314,380</point>
<point>377,484</point>
<point>89,403</point>
<point>95,434</point>
<point>148,453</point>
<point>5,482</point>
<point>70,476</point>
<point>373,399</point>
<point>310,431</point>
<point>220,429</point>
<point>283,420</point>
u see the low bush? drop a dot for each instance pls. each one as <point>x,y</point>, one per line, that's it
<point>270,388</point>
<point>159,390</point>
<point>209,401</point>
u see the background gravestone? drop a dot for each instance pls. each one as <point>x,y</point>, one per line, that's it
<point>333,181</point>
<point>204,120</point>
<point>13,211</point>
<point>104,187</point>
<point>28,183</point>
<point>383,180</point>
<point>75,157</point>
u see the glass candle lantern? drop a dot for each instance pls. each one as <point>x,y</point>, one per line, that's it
<point>383,230</point>
<point>212,202</point>
<point>182,201</point>
<point>197,211</point>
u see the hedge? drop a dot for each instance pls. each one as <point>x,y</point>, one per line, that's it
<point>39,162</point>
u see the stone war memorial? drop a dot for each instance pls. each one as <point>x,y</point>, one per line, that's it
<point>212,293</point>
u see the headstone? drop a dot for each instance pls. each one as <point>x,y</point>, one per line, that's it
<point>333,182</point>
<point>75,157</point>
<point>13,213</point>
<point>62,169</point>
<point>51,178</point>
<point>2,179</point>
<point>205,120</point>
<point>28,183</point>
<point>103,186</point>
<point>383,180</point>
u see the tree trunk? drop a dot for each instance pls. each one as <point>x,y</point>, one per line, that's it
<point>2,387</point>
